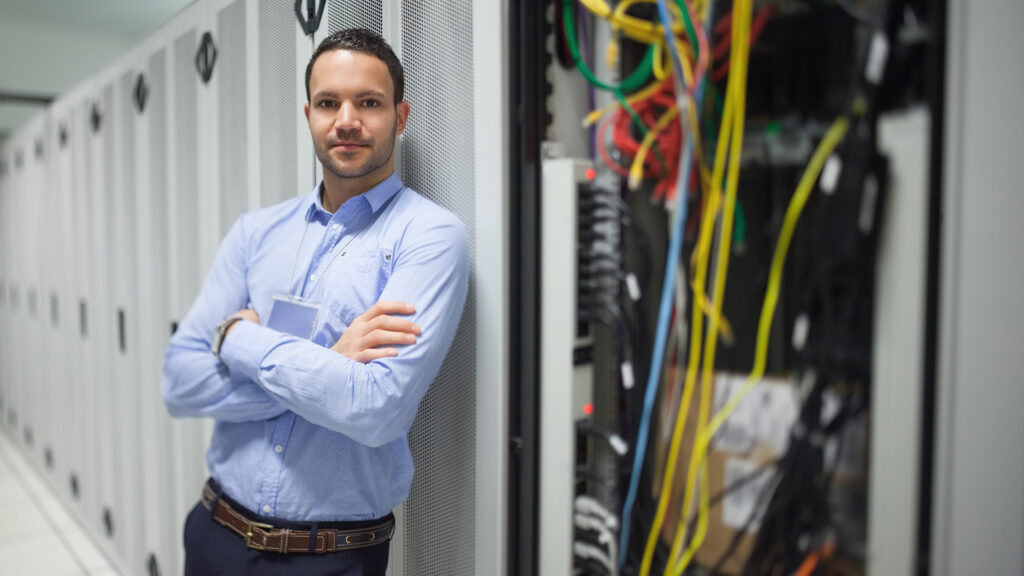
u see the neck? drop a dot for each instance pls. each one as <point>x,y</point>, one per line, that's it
<point>338,190</point>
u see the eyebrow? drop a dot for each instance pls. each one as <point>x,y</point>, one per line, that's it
<point>363,94</point>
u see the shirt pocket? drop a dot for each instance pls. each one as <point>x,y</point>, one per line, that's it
<point>355,285</point>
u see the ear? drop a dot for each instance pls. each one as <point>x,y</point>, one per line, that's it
<point>402,110</point>
<point>305,110</point>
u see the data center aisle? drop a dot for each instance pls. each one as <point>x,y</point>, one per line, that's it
<point>37,535</point>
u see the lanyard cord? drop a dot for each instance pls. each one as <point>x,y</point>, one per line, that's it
<point>295,261</point>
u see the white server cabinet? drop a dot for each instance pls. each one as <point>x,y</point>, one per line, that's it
<point>34,376</point>
<point>149,105</point>
<point>126,509</point>
<point>184,270</point>
<point>5,281</point>
<point>17,400</point>
<point>82,484</point>
<point>51,262</point>
<point>100,480</point>
<point>65,335</point>
<point>6,318</point>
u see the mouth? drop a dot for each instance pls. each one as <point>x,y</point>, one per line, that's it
<point>349,146</point>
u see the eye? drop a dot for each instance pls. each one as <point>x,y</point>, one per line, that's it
<point>371,103</point>
<point>325,104</point>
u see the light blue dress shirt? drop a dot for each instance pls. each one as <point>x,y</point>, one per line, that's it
<point>304,433</point>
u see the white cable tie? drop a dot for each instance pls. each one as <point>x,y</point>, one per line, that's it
<point>830,175</point>
<point>633,286</point>
<point>591,552</point>
<point>604,535</point>
<point>618,444</point>
<point>878,53</point>
<point>588,505</point>
<point>628,380</point>
<point>801,327</point>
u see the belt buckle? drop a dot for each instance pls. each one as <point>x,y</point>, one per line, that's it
<point>249,533</point>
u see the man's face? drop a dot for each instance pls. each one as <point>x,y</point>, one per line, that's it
<point>352,116</point>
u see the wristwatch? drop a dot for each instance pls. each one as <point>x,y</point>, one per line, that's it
<point>220,332</point>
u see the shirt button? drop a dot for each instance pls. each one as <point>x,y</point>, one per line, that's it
<point>278,449</point>
<point>266,509</point>
<point>335,227</point>
<point>314,277</point>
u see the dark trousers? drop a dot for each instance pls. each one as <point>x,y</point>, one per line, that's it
<point>213,550</point>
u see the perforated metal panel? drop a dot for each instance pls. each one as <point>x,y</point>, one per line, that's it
<point>279,109</point>
<point>437,148</point>
<point>343,15</point>
<point>186,169</point>
<point>231,105</point>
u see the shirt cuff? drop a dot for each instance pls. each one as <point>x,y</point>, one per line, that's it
<point>246,346</point>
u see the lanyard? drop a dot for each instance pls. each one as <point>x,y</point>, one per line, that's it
<point>335,251</point>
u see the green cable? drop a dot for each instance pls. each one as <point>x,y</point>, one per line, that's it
<point>638,78</point>
<point>739,231</point>
<point>690,31</point>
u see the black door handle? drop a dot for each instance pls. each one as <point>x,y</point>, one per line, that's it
<point>309,22</point>
<point>141,93</point>
<point>206,57</point>
<point>96,117</point>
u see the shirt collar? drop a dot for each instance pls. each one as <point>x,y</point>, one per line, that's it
<point>376,197</point>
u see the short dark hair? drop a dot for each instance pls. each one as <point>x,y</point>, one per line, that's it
<point>367,42</point>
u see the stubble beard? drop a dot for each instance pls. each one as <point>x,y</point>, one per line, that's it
<point>380,156</point>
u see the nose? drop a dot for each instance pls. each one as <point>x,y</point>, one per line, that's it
<point>347,117</point>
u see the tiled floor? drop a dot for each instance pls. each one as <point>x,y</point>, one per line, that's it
<point>37,535</point>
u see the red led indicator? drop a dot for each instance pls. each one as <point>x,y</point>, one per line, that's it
<point>590,174</point>
<point>588,409</point>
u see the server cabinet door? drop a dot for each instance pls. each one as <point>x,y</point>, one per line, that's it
<point>64,335</point>
<point>150,101</point>
<point>436,44</point>
<point>36,374</point>
<point>126,508</point>
<point>80,483</point>
<point>17,403</point>
<point>103,482</point>
<point>184,266</point>
<point>5,275</point>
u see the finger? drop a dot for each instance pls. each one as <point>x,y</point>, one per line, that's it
<point>389,307</point>
<point>378,338</point>
<point>372,354</point>
<point>393,324</point>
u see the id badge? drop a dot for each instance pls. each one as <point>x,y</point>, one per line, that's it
<point>293,316</point>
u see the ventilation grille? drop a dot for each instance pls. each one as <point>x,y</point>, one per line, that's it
<point>343,15</point>
<point>279,109</point>
<point>229,74</point>
<point>125,193</point>
<point>158,165</point>
<point>437,161</point>
<point>185,143</point>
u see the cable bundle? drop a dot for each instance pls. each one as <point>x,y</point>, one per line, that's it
<point>656,129</point>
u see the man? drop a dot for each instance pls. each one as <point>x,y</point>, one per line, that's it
<point>322,324</point>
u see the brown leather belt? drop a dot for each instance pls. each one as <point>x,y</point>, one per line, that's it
<point>261,536</point>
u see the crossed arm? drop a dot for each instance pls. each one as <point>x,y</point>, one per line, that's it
<point>367,385</point>
<point>372,335</point>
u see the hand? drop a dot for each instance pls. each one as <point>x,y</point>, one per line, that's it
<point>375,328</point>
<point>247,314</point>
